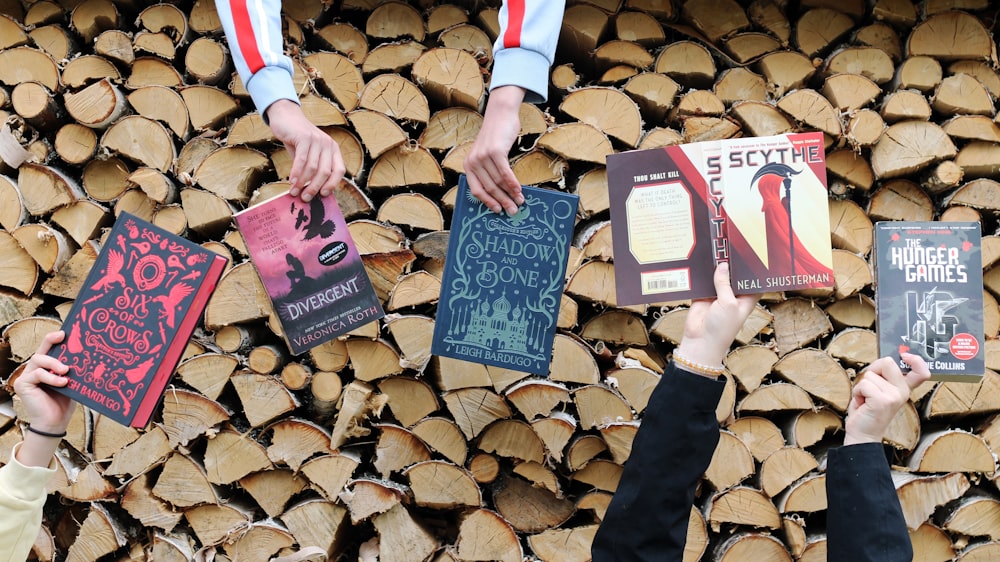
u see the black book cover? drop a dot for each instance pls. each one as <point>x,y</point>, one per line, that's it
<point>133,317</point>
<point>929,295</point>
<point>503,280</point>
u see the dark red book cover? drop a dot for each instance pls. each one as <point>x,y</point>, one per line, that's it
<point>667,227</point>
<point>133,317</point>
<point>929,295</point>
<point>777,213</point>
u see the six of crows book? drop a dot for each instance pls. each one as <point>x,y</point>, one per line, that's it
<point>133,318</point>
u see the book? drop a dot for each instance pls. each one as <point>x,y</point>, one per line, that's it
<point>667,227</point>
<point>777,213</point>
<point>929,295</point>
<point>133,317</point>
<point>503,280</point>
<point>310,268</point>
<point>758,203</point>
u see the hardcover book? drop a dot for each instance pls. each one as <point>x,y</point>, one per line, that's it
<point>667,227</point>
<point>929,295</point>
<point>503,280</point>
<point>777,211</point>
<point>133,317</point>
<point>310,268</point>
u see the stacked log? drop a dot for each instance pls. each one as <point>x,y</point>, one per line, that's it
<point>370,448</point>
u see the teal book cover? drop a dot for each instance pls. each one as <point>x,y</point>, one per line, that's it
<point>503,280</point>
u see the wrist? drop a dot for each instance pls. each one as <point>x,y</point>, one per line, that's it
<point>711,370</point>
<point>856,439</point>
<point>46,432</point>
<point>282,109</point>
<point>506,98</point>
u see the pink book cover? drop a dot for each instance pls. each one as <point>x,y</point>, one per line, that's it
<point>777,213</point>
<point>310,268</point>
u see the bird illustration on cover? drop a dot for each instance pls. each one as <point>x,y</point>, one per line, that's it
<point>776,201</point>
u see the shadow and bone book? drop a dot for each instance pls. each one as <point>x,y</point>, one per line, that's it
<point>503,280</point>
<point>759,203</point>
<point>310,268</point>
<point>133,317</point>
<point>929,295</point>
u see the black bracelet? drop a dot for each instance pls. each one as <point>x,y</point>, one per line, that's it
<point>46,433</point>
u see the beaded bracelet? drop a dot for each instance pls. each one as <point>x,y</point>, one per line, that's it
<point>698,367</point>
<point>46,433</point>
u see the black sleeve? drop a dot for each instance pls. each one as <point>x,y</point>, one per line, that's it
<point>648,515</point>
<point>864,521</point>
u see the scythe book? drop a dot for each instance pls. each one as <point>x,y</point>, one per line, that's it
<point>929,295</point>
<point>503,280</point>
<point>667,222</point>
<point>777,213</point>
<point>310,268</point>
<point>133,317</point>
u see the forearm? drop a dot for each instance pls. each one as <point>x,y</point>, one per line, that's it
<point>526,46</point>
<point>253,31</point>
<point>864,518</point>
<point>648,515</point>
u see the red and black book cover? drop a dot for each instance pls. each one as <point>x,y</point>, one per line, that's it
<point>929,295</point>
<point>666,226</point>
<point>133,317</point>
<point>777,213</point>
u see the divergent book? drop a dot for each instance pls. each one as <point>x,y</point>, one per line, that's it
<point>929,295</point>
<point>310,268</point>
<point>133,317</point>
<point>503,280</point>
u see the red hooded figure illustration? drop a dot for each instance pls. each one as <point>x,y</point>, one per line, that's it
<point>786,255</point>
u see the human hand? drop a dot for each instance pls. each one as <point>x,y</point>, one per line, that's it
<point>317,165</point>
<point>46,410</point>
<point>712,324</point>
<point>880,392</point>
<point>487,167</point>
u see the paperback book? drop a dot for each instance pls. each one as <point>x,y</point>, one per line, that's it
<point>668,230</point>
<point>310,268</point>
<point>929,295</point>
<point>758,203</point>
<point>777,213</point>
<point>503,280</point>
<point>133,317</point>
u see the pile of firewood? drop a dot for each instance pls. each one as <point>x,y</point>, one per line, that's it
<point>370,448</point>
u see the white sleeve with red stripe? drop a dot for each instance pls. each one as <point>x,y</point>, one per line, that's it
<point>526,46</point>
<point>253,29</point>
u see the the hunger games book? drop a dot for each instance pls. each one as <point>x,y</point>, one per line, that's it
<point>133,317</point>
<point>503,280</point>
<point>929,295</point>
<point>310,268</point>
<point>777,213</point>
<point>667,223</point>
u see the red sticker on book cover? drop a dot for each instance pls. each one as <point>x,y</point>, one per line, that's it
<point>964,346</point>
